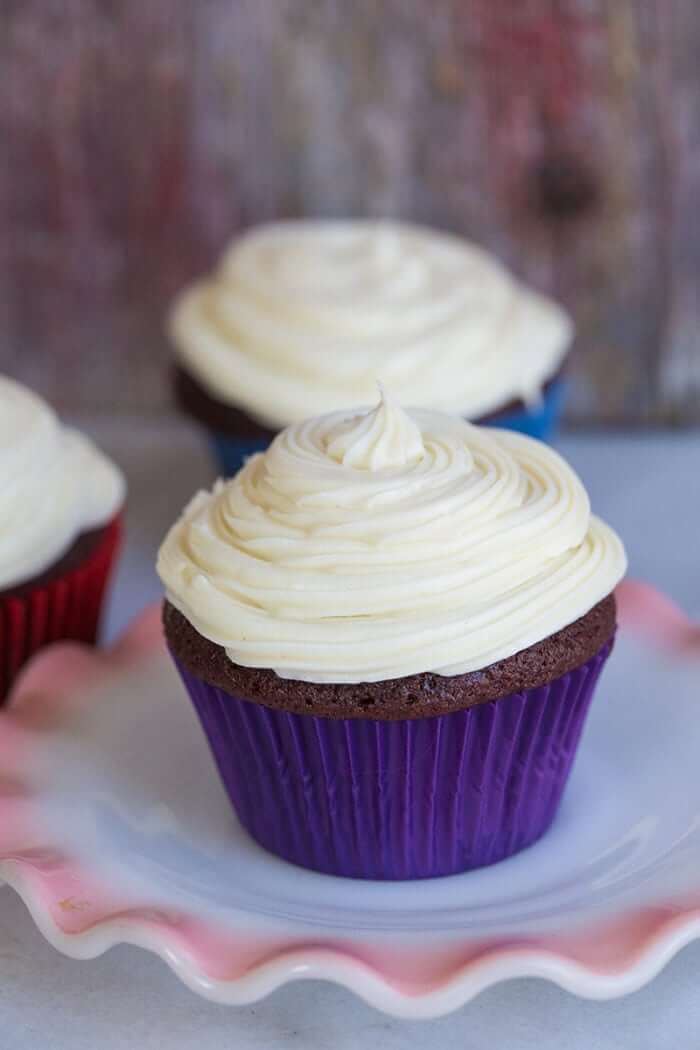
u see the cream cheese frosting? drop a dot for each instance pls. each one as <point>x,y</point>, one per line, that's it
<point>308,313</point>
<point>54,485</point>
<point>375,544</point>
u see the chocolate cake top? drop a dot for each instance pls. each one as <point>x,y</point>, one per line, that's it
<point>412,697</point>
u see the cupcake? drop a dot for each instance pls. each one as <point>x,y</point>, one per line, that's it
<point>308,314</point>
<point>59,530</point>
<point>391,625</point>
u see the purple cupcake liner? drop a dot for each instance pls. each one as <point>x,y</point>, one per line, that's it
<point>407,799</point>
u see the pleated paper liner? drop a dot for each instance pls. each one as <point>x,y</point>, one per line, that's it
<point>404,799</point>
<point>65,607</point>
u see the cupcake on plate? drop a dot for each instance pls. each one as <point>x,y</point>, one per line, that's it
<point>306,315</point>
<point>391,625</point>
<point>60,502</point>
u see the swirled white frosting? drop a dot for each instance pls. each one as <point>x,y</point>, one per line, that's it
<point>54,484</point>
<point>372,546</point>
<point>308,313</point>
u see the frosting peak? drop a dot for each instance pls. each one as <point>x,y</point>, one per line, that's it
<point>363,547</point>
<point>382,437</point>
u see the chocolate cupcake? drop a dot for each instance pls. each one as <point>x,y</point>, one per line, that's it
<point>59,530</point>
<point>310,313</point>
<point>391,625</point>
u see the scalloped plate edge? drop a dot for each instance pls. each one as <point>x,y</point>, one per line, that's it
<point>500,964</point>
<point>644,611</point>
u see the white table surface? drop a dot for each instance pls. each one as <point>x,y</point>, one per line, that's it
<point>648,486</point>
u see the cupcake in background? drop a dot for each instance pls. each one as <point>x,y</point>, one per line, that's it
<point>307,315</point>
<point>391,625</point>
<point>60,503</point>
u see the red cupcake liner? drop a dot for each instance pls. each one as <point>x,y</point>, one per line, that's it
<point>66,607</point>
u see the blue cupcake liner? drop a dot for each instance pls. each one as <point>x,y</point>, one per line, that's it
<point>540,421</point>
<point>231,453</point>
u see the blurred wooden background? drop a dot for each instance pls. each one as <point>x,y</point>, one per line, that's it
<point>137,135</point>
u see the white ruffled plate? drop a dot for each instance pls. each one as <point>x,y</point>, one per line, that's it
<point>114,828</point>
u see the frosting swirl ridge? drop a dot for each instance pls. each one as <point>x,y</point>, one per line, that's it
<point>313,312</point>
<point>54,484</point>
<point>374,545</point>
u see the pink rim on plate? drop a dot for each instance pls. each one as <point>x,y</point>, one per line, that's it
<point>82,915</point>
